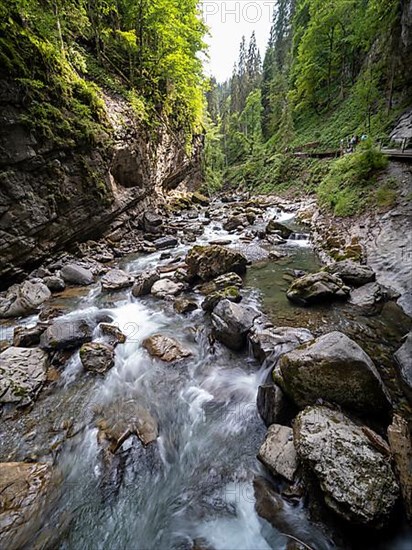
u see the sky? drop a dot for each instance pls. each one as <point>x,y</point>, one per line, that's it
<point>228,22</point>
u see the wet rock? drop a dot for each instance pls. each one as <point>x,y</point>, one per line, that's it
<point>230,293</point>
<point>152,222</point>
<point>275,227</point>
<point>317,288</point>
<point>368,297</point>
<point>54,283</point>
<point>400,442</point>
<point>23,488</point>
<point>49,312</point>
<point>144,282</point>
<point>271,507</point>
<point>166,348</point>
<point>355,476</point>
<point>234,222</point>
<point>352,273</point>
<point>270,343</point>
<point>222,282</point>
<point>116,279</point>
<point>182,305</point>
<point>114,334</point>
<point>166,288</point>
<point>336,369</point>
<point>63,335</point>
<point>76,275</point>
<point>273,405</point>
<point>123,418</point>
<point>165,242</point>
<point>97,357</point>
<point>23,299</point>
<point>207,262</point>
<point>182,276</point>
<point>231,323</point>
<point>22,374</point>
<point>24,337</point>
<point>278,452</point>
<point>403,359</point>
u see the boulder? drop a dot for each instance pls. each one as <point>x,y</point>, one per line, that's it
<point>234,222</point>
<point>316,288</point>
<point>22,374</point>
<point>97,357</point>
<point>273,405</point>
<point>165,348</point>
<point>23,299</point>
<point>66,335</point>
<point>278,228</point>
<point>278,452</point>
<point>123,418</point>
<point>222,282</point>
<point>403,362</point>
<point>231,323</point>
<point>352,273</point>
<point>207,262</point>
<point>76,275</point>
<point>400,442</point>
<point>199,198</point>
<point>368,297</point>
<point>24,337</point>
<point>54,283</point>
<point>113,334</point>
<point>354,474</point>
<point>152,222</point>
<point>336,369</point>
<point>166,288</point>
<point>270,343</point>
<point>144,282</point>
<point>23,488</point>
<point>116,279</point>
<point>230,293</point>
<point>182,305</point>
<point>165,242</point>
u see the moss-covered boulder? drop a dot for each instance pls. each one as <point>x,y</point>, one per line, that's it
<point>207,262</point>
<point>317,288</point>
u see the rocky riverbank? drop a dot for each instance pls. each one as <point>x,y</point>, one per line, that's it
<point>337,417</point>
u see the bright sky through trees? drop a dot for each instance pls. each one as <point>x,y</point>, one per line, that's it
<point>228,22</point>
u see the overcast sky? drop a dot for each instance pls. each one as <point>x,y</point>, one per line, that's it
<point>228,22</point>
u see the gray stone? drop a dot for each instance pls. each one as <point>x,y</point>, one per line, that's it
<point>182,305</point>
<point>367,297</point>
<point>400,442</point>
<point>76,275</point>
<point>273,405</point>
<point>97,357</point>
<point>54,283</point>
<point>144,282</point>
<point>278,228</point>
<point>23,299</point>
<point>22,374</point>
<point>231,323</point>
<point>336,369</point>
<point>351,272</point>
<point>278,452</point>
<point>208,262</point>
<point>66,335</point>
<point>316,288</point>
<point>403,359</point>
<point>116,279</point>
<point>270,343</point>
<point>230,293</point>
<point>165,242</point>
<point>355,476</point>
<point>24,337</point>
<point>165,348</point>
<point>166,288</point>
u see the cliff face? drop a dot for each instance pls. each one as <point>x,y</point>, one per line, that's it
<point>53,196</point>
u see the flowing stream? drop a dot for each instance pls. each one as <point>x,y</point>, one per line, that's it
<point>197,485</point>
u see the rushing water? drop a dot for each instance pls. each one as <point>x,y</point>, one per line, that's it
<point>198,481</point>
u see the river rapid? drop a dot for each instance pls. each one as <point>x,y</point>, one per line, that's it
<point>198,484</point>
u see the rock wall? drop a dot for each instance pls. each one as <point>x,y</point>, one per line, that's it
<point>53,196</point>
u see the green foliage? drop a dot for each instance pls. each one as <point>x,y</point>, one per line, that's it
<point>346,188</point>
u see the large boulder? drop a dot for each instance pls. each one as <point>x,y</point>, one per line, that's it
<point>230,293</point>
<point>113,334</point>
<point>336,369</point>
<point>66,334</point>
<point>207,262</point>
<point>97,357</point>
<point>22,374</point>
<point>26,337</point>
<point>116,279</point>
<point>278,228</point>
<point>23,299</point>
<point>403,359</point>
<point>220,283</point>
<point>270,343</point>
<point>54,283</point>
<point>278,452</point>
<point>144,282</point>
<point>400,442</point>
<point>152,222</point>
<point>183,305</point>
<point>273,405</point>
<point>368,297</point>
<point>165,348</point>
<point>165,242</point>
<point>316,288</point>
<point>166,288</point>
<point>234,222</point>
<point>352,273</point>
<point>24,493</point>
<point>350,464</point>
<point>231,323</point>
<point>76,275</point>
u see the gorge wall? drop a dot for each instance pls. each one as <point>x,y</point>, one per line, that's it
<point>52,196</point>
